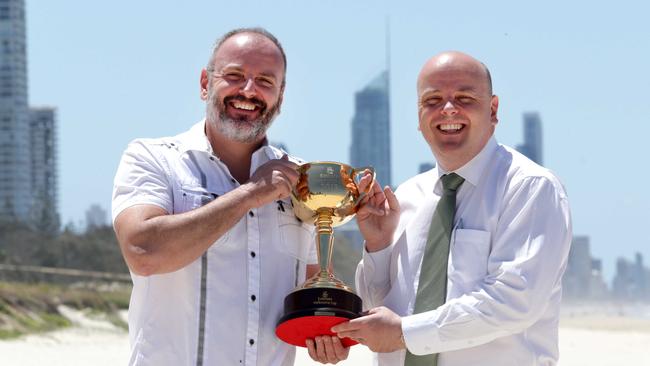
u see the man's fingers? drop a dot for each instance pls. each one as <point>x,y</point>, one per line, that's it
<point>320,350</point>
<point>364,182</point>
<point>311,349</point>
<point>370,209</point>
<point>329,350</point>
<point>352,334</point>
<point>341,352</point>
<point>345,326</point>
<point>393,203</point>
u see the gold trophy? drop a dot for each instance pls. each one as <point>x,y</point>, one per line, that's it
<point>327,194</point>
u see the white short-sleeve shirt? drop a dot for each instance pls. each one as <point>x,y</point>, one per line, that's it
<point>221,309</point>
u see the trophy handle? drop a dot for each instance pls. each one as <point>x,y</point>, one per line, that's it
<point>355,173</point>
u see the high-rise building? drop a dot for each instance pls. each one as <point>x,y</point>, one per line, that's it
<point>583,276</point>
<point>532,146</point>
<point>15,180</point>
<point>632,279</point>
<point>371,128</point>
<point>96,217</point>
<point>44,180</point>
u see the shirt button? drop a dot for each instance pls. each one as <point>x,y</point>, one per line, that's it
<point>253,254</point>
<point>212,158</point>
<point>251,214</point>
<point>251,341</point>
<point>253,297</point>
<point>232,180</point>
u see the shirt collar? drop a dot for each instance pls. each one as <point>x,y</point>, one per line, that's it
<point>474,168</point>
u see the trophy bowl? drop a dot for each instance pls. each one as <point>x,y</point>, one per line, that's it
<point>326,194</point>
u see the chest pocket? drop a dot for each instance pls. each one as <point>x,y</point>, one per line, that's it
<point>297,238</point>
<point>193,197</point>
<point>469,256</point>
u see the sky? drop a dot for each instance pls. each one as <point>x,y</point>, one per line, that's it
<point>118,70</point>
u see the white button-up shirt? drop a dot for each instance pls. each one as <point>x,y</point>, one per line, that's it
<point>221,309</point>
<point>509,248</point>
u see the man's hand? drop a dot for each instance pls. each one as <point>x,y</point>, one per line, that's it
<point>272,181</point>
<point>378,215</point>
<point>380,330</point>
<point>327,349</point>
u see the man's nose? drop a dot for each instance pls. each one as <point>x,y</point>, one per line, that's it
<point>248,90</point>
<point>449,109</point>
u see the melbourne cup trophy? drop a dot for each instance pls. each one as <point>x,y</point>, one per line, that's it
<point>327,195</point>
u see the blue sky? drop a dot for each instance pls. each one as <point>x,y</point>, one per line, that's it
<point>124,69</point>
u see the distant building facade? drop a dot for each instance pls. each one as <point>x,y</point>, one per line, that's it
<point>28,151</point>
<point>532,146</point>
<point>583,279</point>
<point>96,217</point>
<point>371,128</point>
<point>43,142</point>
<point>15,180</point>
<point>632,280</point>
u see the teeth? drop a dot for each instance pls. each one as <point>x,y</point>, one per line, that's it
<point>243,105</point>
<point>451,126</point>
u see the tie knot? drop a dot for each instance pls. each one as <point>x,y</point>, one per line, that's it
<point>451,182</point>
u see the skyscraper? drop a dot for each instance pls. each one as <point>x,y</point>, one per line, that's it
<point>15,180</point>
<point>42,122</point>
<point>371,128</point>
<point>532,146</point>
<point>583,276</point>
<point>96,217</point>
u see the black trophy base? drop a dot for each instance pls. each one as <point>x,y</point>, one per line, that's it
<point>312,312</point>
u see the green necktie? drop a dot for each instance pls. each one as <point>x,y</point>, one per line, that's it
<point>432,288</point>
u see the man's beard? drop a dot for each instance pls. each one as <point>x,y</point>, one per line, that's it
<point>240,130</point>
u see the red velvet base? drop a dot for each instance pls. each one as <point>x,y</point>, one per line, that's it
<point>296,331</point>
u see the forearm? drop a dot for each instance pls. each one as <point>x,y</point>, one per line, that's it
<point>165,243</point>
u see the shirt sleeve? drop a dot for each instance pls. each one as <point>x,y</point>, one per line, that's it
<point>141,178</point>
<point>529,254</point>
<point>373,277</point>
<point>312,256</point>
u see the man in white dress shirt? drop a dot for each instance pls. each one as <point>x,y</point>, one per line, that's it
<point>508,247</point>
<point>205,224</point>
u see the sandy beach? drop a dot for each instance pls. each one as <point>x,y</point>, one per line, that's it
<point>595,335</point>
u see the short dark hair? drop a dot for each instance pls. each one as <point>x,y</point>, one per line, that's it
<point>256,30</point>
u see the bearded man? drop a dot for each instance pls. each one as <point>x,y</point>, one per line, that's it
<point>205,224</point>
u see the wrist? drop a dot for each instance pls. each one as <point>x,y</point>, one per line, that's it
<point>249,197</point>
<point>402,342</point>
<point>375,246</point>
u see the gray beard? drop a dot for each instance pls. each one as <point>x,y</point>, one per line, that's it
<point>238,130</point>
<point>243,131</point>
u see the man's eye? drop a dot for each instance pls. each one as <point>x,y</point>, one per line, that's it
<point>465,100</point>
<point>265,82</point>
<point>431,101</point>
<point>232,76</point>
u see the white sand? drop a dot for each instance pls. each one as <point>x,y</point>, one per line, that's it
<point>586,338</point>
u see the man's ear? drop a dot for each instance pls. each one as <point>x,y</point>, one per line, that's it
<point>280,99</point>
<point>204,81</point>
<point>494,107</point>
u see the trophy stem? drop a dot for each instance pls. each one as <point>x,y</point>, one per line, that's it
<point>324,241</point>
